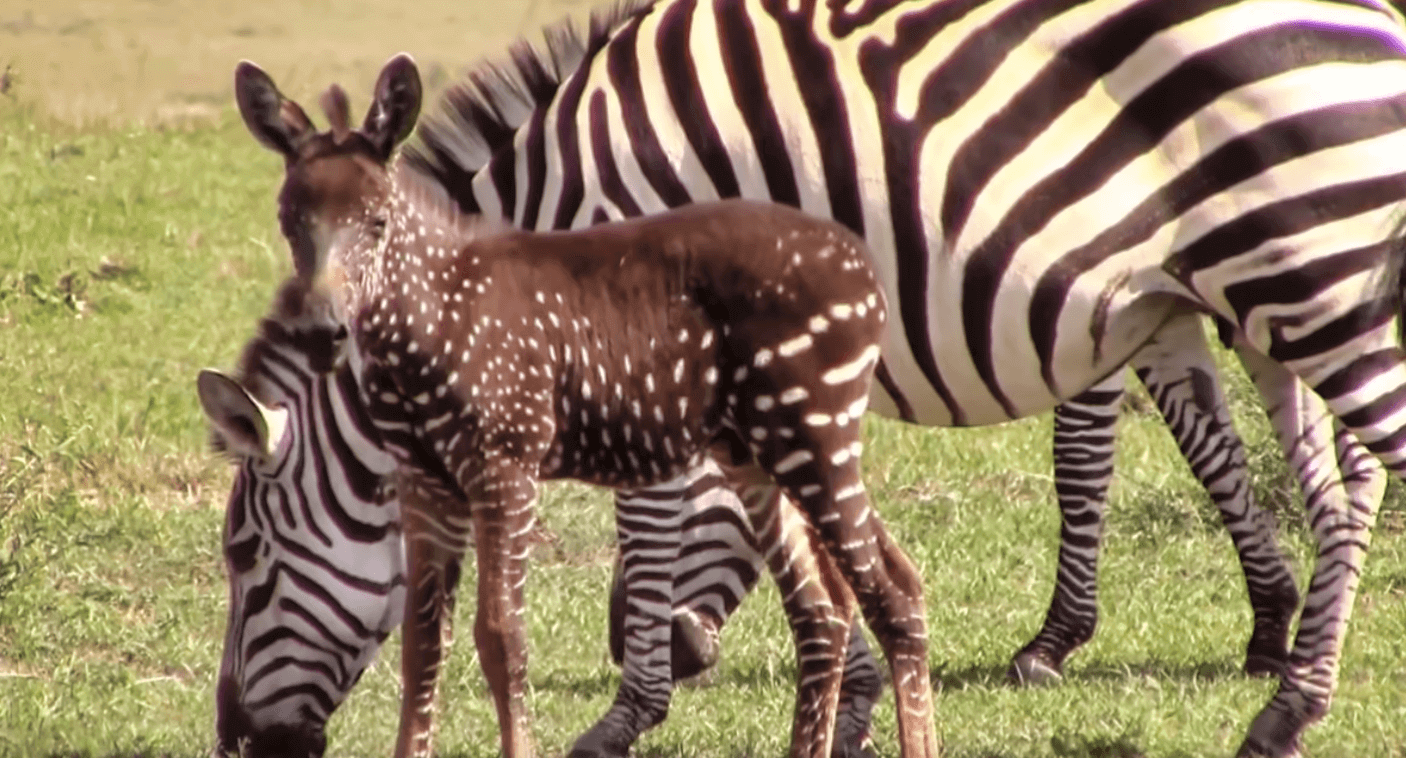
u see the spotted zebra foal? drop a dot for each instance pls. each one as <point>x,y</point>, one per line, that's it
<point>621,356</point>
<point>292,418</point>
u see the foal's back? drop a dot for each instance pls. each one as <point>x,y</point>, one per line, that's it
<point>641,335</point>
<point>757,258</point>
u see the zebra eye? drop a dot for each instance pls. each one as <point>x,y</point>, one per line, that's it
<point>242,555</point>
<point>378,226</point>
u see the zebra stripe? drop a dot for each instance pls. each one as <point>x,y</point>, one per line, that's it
<point>1019,168</point>
<point>317,581</point>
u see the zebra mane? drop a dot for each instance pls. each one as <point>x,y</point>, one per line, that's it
<point>481,113</point>
<point>432,200</point>
<point>301,320</point>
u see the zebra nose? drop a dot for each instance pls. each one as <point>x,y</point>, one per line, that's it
<point>237,735</point>
<point>232,723</point>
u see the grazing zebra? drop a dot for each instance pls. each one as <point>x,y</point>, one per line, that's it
<point>312,539</point>
<point>1044,185</point>
<point>743,332</point>
<point>496,152</point>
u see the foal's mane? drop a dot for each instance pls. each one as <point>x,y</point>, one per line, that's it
<point>433,201</point>
<point>482,112</point>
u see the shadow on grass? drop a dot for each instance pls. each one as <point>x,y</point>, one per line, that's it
<point>995,676</point>
<point>131,753</point>
<point>582,685</point>
<point>1123,746</point>
<point>977,676</point>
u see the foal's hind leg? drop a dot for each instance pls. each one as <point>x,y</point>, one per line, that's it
<point>718,565</point>
<point>811,446</point>
<point>818,604</point>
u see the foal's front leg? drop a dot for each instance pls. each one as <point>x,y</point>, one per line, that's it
<point>435,547</point>
<point>503,514</point>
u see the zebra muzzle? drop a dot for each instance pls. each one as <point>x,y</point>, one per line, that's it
<point>239,737</point>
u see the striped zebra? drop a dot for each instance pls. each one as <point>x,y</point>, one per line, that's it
<point>1049,187</point>
<point>495,127</point>
<point>313,542</point>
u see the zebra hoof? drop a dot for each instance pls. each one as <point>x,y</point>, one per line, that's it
<point>1033,669</point>
<point>1253,749</point>
<point>596,750</point>
<point>1259,665</point>
<point>602,741</point>
<point>853,746</point>
<point>1273,734</point>
<point>695,644</point>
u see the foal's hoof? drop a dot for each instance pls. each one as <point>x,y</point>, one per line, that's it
<point>1033,669</point>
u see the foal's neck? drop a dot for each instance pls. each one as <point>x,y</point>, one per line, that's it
<point>421,222</point>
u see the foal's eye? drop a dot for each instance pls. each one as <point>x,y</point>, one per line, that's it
<point>378,225</point>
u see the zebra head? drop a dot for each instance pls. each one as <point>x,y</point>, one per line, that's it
<point>312,536</point>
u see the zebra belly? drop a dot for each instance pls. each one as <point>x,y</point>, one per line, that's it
<point>1088,350</point>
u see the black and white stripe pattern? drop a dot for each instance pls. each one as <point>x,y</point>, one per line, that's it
<point>312,538</point>
<point>1043,184</point>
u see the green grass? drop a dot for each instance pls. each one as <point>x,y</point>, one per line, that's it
<point>132,257</point>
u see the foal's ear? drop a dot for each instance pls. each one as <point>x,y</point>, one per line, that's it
<point>246,426</point>
<point>395,106</point>
<point>275,121</point>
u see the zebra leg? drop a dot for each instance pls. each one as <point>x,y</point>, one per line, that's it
<point>433,555</point>
<point>502,516</point>
<point>1180,373</point>
<point>718,564</point>
<point>695,643</point>
<point>860,690</point>
<point>1083,454</point>
<point>648,524</point>
<point>1342,485</point>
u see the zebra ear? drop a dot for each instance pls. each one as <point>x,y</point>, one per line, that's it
<point>395,106</point>
<point>275,121</point>
<point>246,426</point>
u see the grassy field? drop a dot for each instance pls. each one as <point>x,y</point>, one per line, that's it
<point>138,244</point>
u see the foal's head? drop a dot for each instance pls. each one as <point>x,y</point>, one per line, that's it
<point>337,186</point>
